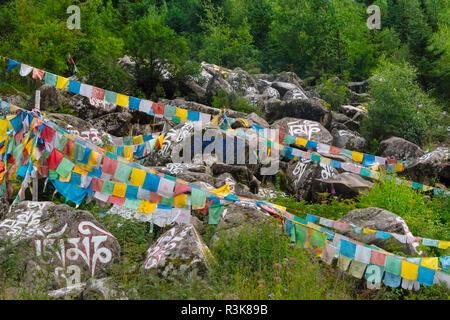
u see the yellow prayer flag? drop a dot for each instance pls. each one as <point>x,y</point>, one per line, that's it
<point>62,82</point>
<point>93,158</point>
<point>427,188</point>
<point>357,156</point>
<point>159,141</point>
<point>280,207</point>
<point>62,179</point>
<point>444,244</point>
<point>147,207</point>
<point>301,142</point>
<point>122,100</point>
<point>180,201</point>
<point>399,167</point>
<point>409,270</point>
<point>325,161</point>
<point>375,175</point>
<point>137,177</point>
<point>431,263</point>
<point>215,120</point>
<point>222,191</point>
<point>3,126</point>
<point>138,140</point>
<point>181,113</point>
<point>366,230</point>
<point>128,152</point>
<point>119,190</point>
<point>79,170</point>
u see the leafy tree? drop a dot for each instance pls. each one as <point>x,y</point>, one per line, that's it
<point>225,44</point>
<point>159,52</point>
<point>401,108</point>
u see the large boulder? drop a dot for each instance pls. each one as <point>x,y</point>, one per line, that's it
<point>178,252</point>
<point>347,185</point>
<point>308,109</point>
<point>117,123</point>
<point>305,178</point>
<point>426,169</point>
<point>307,129</point>
<point>348,140</point>
<point>68,246</point>
<point>50,97</point>
<point>90,108</point>
<point>399,149</point>
<point>381,220</point>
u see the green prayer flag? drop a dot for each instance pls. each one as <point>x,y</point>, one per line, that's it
<point>198,198</point>
<point>123,172</point>
<point>301,235</point>
<point>215,212</point>
<point>132,204</point>
<point>288,139</point>
<point>318,239</point>
<point>128,141</point>
<point>65,167</point>
<point>50,79</point>
<point>167,201</point>
<point>393,265</point>
<point>108,187</point>
<point>52,175</point>
<point>315,157</point>
<point>62,143</point>
<point>170,111</point>
<point>151,144</point>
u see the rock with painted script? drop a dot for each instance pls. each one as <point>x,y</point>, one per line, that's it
<point>178,252</point>
<point>381,220</point>
<point>306,129</point>
<point>348,140</point>
<point>304,178</point>
<point>65,246</point>
<point>426,169</point>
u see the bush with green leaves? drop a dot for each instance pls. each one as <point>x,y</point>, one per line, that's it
<point>400,108</point>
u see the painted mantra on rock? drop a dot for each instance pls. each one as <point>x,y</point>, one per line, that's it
<point>307,128</point>
<point>87,249</point>
<point>25,224</point>
<point>162,246</point>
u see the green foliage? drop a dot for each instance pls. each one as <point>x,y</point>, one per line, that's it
<point>233,101</point>
<point>427,219</point>
<point>333,92</point>
<point>225,44</point>
<point>401,108</point>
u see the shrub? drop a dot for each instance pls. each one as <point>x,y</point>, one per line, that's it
<point>401,108</point>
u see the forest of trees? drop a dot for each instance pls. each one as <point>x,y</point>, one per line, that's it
<point>317,39</point>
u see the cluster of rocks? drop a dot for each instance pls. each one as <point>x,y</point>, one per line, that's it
<point>77,253</point>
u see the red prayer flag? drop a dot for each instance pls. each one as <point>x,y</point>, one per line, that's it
<point>335,150</point>
<point>96,184</point>
<point>155,198</point>
<point>180,188</point>
<point>48,134</point>
<point>116,200</point>
<point>109,166</point>
<point>98,93</point>
<point>54,159</point>
<point>158,108</point>
<point>38,74</point>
